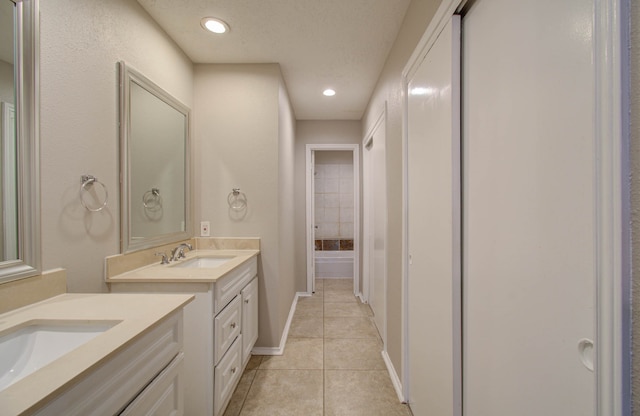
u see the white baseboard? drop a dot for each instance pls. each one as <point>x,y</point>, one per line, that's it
<point>285,334</point>
<point>395,380</point>
<point>361,297</point>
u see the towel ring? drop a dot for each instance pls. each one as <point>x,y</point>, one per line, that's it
<point>152,199</point>
<point>87,181</point>
<point>237,200</point>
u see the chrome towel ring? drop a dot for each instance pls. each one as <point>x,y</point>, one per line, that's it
<point>152,199</point>
<point>87,183</point>
<point>237,200</point>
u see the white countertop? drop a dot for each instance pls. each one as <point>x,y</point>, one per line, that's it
<point>138,313</point>
<point>168,273</point>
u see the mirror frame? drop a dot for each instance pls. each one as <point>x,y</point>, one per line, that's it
<point>127,76</point>
<point>27,44</point>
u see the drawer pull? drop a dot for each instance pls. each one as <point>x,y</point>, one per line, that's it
<point>246,301</point>
<point>233,325</point>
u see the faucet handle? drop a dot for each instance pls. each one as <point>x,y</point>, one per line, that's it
<point>165,259</point>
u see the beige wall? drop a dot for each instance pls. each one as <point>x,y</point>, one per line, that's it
<point>80,44</point>
<point>286,190</point>
<point>242,140</point>
<point>7,92</point>
<point>635,195</point>
<point>314,132</point>
<point>389,90</point>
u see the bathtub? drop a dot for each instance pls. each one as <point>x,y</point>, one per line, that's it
<point>334,264</point>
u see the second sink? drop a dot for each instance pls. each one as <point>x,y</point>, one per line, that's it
<point>204,262</point>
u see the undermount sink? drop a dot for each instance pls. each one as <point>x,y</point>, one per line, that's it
<point>204,262</point>
<point>29,348</point>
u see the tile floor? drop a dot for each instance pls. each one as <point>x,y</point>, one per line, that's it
<point>331,365</point>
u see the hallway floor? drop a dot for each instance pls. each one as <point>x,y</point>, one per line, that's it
<point>331,366</point>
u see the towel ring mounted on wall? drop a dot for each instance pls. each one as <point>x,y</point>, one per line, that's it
<point>237,200</point>
<point>87,182</point>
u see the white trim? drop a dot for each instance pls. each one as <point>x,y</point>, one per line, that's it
<point>440,19</point>
<point>395,380</point>
<point>279,350</point>
<point>9,189</point>
<point>354,148</point>
<point>611,349</point>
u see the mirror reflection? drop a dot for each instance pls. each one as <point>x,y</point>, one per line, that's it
<point>19,167</point>
<point>8,174</point>
<point>155,132</point>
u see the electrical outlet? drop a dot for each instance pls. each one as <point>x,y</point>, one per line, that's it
<point>204,229</point>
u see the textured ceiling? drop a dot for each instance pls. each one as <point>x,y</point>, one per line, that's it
<point>341,44</point>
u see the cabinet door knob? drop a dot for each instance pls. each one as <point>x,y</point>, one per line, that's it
<point>246,301</point>
<point>233,370</point>
<point>233,325</point>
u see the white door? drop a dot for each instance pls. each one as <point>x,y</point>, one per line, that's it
<point>433,228</point>
<point>529,207</point>
<point>375,207</point>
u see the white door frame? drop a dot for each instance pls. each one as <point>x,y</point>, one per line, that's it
<point>368,236</point>
<point>613,278</point>
<point>9,183</point>
<point>355,149</point>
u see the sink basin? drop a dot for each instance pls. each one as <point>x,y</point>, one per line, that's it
<point>204,262</point>
<point>29,348</point>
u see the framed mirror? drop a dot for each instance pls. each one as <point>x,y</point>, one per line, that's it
<point>154,163</point>
<point>19,153</point>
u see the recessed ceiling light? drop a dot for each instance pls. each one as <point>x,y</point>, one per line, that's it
<point>214,25</point>
<point>329,92</point>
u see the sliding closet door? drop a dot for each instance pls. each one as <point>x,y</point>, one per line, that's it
<point>529,208</point>
<point>433,227</point>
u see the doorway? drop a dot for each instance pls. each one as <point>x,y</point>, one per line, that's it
<point>333,213</point>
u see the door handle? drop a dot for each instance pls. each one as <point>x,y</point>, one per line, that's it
<point>585,351</point>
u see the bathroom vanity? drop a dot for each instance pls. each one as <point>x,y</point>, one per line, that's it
<point>101,354</point>
<point>220,325</point>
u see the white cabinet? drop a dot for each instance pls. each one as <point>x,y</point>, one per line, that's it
<point>215,325</point>
<point>249,319</point>
<point>138,376</point>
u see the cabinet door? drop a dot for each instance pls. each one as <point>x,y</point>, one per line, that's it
<point>249,318</point>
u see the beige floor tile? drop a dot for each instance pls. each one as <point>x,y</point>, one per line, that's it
<point>299,354</point>
<point>240,394</point>
<point>339,296</point>
<point>337,284</point>
<point>353,354</point>
<point>361,393</point>
<point>309,310</point>
<point>285,393</point>
<point>349,328</point>
<point>316,297</point>
<point>254,362</point>
<point>343,309</point>
<point>366,309</point>
<point>305,327</point>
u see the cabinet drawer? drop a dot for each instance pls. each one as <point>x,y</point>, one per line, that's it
<point>226,375</point>
<point>227,327</point>
<point>227,287</point>
<point>163,396</point>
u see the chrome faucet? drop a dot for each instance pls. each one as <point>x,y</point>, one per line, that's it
<point>178,252</point>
